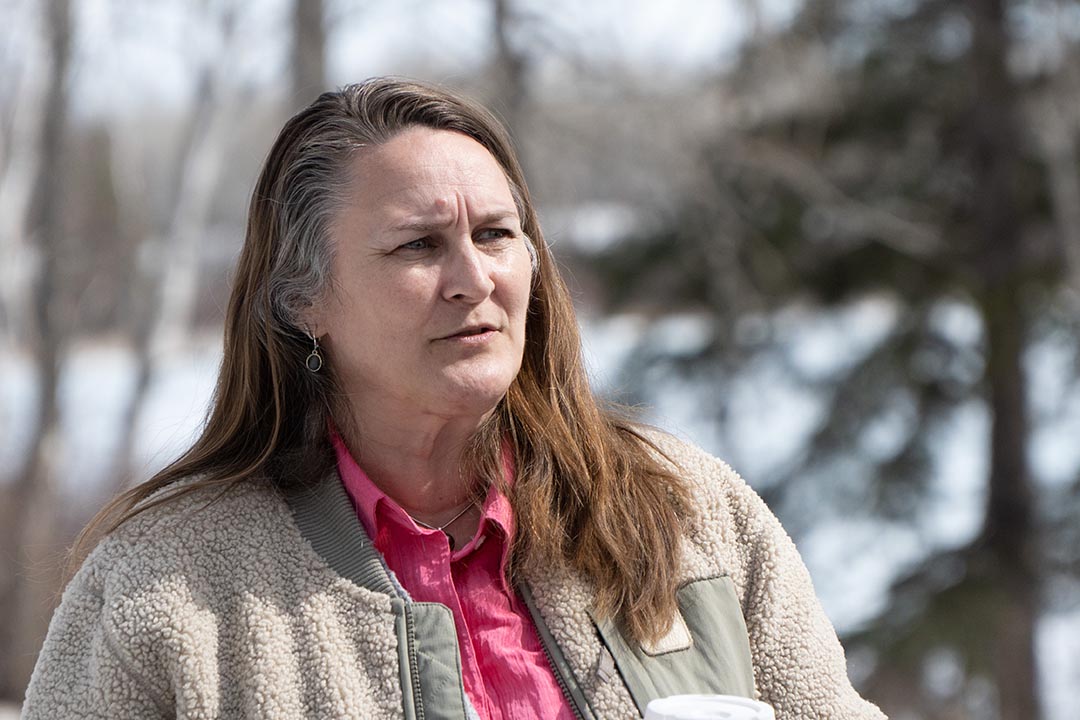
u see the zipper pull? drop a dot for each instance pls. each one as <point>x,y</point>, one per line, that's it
<point>605,669</point>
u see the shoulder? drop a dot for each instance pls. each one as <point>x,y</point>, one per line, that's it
<point>687,459</point>
<point>729,527</point>
<point>797,659</point>
<point>715,487</point>
<point>193,590</point>
<point>188,518</point>
<point>197,541</point>
<point>153,590</point>
<point>170,573</point>
<point>191,507</point>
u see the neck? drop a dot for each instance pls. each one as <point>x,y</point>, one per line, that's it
<point>416,460</point>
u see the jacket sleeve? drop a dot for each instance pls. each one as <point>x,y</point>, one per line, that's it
<point>799,664</point>
<point>82,671</point>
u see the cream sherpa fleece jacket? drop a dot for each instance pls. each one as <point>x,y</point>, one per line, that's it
<point>227,611</point>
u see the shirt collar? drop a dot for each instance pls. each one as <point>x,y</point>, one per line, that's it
<point>376,509</point>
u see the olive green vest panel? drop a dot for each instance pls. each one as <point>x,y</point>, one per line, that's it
<point>429,660</point>
<point>716,659</point>
<point>436,661</point>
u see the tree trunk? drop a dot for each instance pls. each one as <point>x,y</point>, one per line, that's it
<point>18,170</point>
<point>31,563</point>
<point>1058,148</point>
<point>308,51</point>
<point>999,259</point>
<point>165,289</point>
<point>201,160</point>
<point>511,90</point>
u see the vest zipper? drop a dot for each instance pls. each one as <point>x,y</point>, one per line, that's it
<point>414,672</point>
<point>562,681</point>
<point>560,678</point>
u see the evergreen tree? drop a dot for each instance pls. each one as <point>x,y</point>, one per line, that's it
<point>900,151</point>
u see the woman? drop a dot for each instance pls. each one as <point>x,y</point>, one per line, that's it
<point>406,501</point>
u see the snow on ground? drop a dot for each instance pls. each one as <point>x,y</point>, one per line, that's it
<point>1059,658</point>
<point>9,712</point>
<point>95,389</point>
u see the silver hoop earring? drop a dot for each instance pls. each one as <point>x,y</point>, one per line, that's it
<point>314,359</point>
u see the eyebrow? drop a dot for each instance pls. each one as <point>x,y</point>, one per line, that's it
<point>431,226</point>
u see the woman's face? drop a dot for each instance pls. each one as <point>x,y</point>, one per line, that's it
<point>430,280</point>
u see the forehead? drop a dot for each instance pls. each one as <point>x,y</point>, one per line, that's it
<point>421,166</point>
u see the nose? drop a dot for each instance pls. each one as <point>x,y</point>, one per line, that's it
<point>467,274</point>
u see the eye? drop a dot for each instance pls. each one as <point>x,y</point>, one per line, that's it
<point>494,234</point>
<point>423,243</point>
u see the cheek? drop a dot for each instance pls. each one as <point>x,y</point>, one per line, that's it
<point>522,293</point>
<point>517,277</point>
<point>387,302</point>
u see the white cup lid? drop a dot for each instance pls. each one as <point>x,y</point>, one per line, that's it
<point>708,707</point>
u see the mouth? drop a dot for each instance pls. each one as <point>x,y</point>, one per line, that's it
<point>471,331</point>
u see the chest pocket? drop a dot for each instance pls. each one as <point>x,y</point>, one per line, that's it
<point>708,650</point>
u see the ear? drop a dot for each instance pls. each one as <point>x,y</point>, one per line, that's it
<point>312,321</point>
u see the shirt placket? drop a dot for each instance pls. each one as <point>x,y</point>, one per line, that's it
<point>465,640</point>
<point>441,569</point>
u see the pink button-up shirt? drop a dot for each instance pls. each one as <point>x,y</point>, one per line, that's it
<point>503,666</point>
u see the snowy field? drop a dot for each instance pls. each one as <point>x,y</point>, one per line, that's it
<point>851,560</point>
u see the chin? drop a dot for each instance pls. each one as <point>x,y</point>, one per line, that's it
<point>477,395</point>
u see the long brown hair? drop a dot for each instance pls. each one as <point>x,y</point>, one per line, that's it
<point>589,490</point>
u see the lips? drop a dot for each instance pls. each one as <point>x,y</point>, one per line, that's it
<point>470,331</point>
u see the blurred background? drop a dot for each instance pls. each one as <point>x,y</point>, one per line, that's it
<point>836,242</point>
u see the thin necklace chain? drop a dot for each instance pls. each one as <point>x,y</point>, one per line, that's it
<point>448,523</point>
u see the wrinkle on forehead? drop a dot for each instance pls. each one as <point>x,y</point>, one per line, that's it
<point>436,177</point>
<point>448,212</point>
